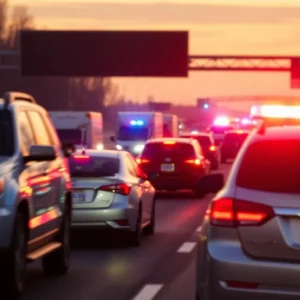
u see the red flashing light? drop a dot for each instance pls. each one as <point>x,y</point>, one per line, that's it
<point>231,213</point>
<point>169,143</point>
<point>121,188</point>
<point>212,148</point>
<point>81,157</point>
<point>196,161</point>
<point>142,161</point>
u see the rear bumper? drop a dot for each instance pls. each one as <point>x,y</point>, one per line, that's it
<point>223,261</point>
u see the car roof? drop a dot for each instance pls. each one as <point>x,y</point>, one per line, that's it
<point>279,133</point>
<point>196,134</point>
<point>176,140</point>
<point>99,153</point>
<point>21,103</point>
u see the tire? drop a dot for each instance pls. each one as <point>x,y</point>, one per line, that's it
<point>13,270</point>
<point>135,236</point>
<point>150,229</point>
<point>58,261</point>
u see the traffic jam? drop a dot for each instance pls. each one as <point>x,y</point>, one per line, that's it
<point>58,177</point>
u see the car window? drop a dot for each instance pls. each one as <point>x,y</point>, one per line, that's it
<point>94,166</point>
<point>174,151</point>
<point>271,166</point>
<point>139,172</point>
<point>40,129</point>
<point>7,144</point>
<point>235,137</point>
<point>27,136</point>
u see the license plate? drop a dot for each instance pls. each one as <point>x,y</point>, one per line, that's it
<point>78,196</point>
<point>167,167</point>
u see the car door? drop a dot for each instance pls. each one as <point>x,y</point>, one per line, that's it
<point>49,196</point>
<point>147,194</point>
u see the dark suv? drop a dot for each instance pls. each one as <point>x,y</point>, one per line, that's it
<point>232,143</point>
<point>207,143</point>
<point>174,164</point>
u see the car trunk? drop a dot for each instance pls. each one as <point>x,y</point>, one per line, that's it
<point>86,193</point>
<point>278,238</point>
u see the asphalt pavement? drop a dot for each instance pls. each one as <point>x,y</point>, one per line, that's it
<point>104,267</point>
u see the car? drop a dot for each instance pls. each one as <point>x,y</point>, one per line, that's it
<point>110,191</point>
<point>218,132</point>
<point>35,193</point>
<point>174,163</point>
<point>249,245</point>
<point>233,141</point>
<point>207,143</point>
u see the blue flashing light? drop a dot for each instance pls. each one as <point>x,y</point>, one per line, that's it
<point>206,106</point>
<point>137,123</point>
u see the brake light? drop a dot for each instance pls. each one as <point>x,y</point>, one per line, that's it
<point>120,188</point>
<point>81,157</point>
<point>169,143</point>
<point>142,161</point>
<point>231,213</point>
<point>212,148</point>
<point>196,161</point>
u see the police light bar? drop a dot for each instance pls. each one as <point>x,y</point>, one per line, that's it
<point>222,121</point>
<point>276,111</point>
<point>137,123</point>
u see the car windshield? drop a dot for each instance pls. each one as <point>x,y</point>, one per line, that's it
<point>235,138</point>
<point>133,133</point>
<point>220,129</point>
<point>271,166</point>
<point>203,140</point>
<point>84,166</point>
<point>70,136</point>
<point>174,151</point>
<point>6,133</point>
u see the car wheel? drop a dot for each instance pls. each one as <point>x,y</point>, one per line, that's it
<point>57,262</point>
<point>135,236</point>
<point>150,229</point>
<point>13,270</point>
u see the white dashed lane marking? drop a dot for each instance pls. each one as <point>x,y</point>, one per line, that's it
<point>187,247</point>
<point>148,292</point>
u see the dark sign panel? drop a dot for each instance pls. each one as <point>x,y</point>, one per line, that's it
<point>295,73</point>
<point>104,53</point>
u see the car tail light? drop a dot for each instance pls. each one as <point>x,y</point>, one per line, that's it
<point>212,148</point>
<point>169,143</point>
<point>231,212</point>
<point>81,157</point>
<point>121,188</point>
<point>196,161</point>
<point>142,161</point>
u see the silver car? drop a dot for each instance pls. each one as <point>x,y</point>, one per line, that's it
<point>111,191</point>
<point>249,246</point>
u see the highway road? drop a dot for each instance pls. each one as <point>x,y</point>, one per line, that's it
<point>104,267</point>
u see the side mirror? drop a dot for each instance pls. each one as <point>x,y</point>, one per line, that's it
<point>41,153</point>
<point>112,138</point>
<point>212,183</point>
<point>68,150</point>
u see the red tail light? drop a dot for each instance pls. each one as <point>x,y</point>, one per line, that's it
<point>121,188</point>
<point>81,157</point>
<point>169,142</point>
<point>231,213</point>
<point>212,148</point>
<point>142,161</point>
<point>196,161</point>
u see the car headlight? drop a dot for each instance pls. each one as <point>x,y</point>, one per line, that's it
<point>138,148</point>
<point>119,147</point>
<point>99,146</point>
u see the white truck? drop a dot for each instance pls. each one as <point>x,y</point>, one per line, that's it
<point>171,125</point>
<point>135,128</point>
<point>79,129</point>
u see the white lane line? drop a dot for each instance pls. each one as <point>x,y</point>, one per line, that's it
<point>148,292</point>
<point>199,229</point>
<point>186,247</point>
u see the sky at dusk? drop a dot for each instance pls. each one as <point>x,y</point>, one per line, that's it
<point>264,27</point>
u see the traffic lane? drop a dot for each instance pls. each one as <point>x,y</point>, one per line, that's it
<point>104,268</point>
<point>176,279</point>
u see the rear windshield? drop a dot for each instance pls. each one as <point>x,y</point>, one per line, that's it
<point>70,136</point>
<point>6,133</point>
<point>94,166</point>
<point>174,151</point>
<point>220,129</point>
<point>271,166</point>
<point>133,133</point>
<point>203,140</point>
<point>235,137</point>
